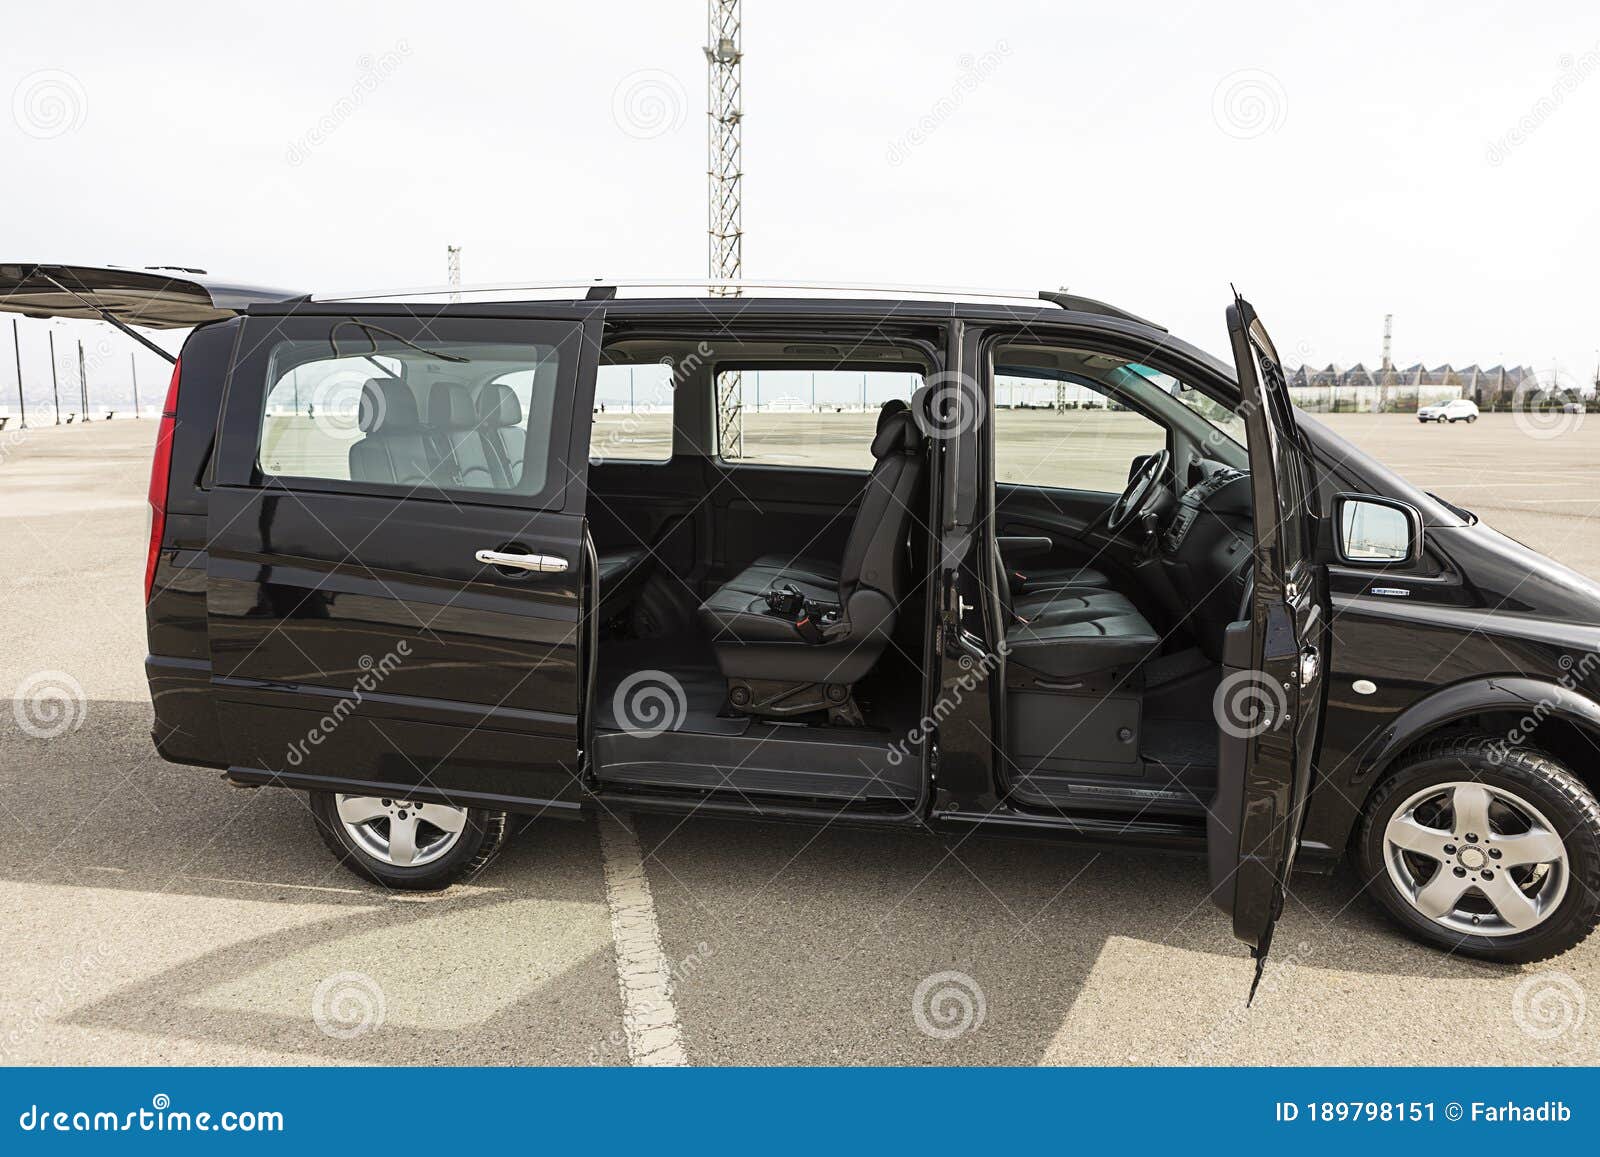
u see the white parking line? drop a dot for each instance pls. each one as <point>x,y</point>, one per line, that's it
<point>649,1018</point>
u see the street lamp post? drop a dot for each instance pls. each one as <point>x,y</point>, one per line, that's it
<point>83,382</point>
<point>55,386</point>
<point>16,345</point>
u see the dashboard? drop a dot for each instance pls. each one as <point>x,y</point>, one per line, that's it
<point>1224,492</point>
<point>1205,550</point>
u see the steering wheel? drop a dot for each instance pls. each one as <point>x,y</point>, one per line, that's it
<point>1142,491</point>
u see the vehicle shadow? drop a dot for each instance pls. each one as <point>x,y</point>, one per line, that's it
<point>830,943</point>
<point>225,932</point>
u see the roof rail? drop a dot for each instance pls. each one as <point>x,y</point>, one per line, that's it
<point>579,288</point>
<point>1077,304</point>
<point>604,289</point>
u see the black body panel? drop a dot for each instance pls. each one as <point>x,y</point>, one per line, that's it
<point>485,674</point>
<point>179,663</point>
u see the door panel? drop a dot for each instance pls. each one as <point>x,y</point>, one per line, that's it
<point>1269,700</point>
<point>353,633</point>
<point>1069,518</point>
<point>300,613</point>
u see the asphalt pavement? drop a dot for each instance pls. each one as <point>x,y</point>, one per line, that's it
<point>156,915</point>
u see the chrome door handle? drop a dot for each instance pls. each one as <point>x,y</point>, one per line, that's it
<point>543,563</point>
<point>1310,665</point>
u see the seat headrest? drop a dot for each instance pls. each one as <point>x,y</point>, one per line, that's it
<point>897,433</point>
<point>387,406</point>
<point>450,407</point>
<point>498,405</point>
<point>889,409</point>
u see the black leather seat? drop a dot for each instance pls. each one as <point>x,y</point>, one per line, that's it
<point>623,572</point>
<point>462,444</point>
<point>1077,631</point>
<point>499,420</point>
<point>395,447</point>
<point>1032,581</point>
<point>617,566</point>
<point>811,577</point>
<point>771,665</point>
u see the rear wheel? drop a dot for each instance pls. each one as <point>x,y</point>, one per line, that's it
<point>1486,852</point>
<point>402,843</point>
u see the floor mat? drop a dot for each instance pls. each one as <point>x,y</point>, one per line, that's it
<point>665,684</point>
<point>1178,743</point>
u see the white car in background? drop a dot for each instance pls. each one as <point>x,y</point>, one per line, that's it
<point>1455,410</point>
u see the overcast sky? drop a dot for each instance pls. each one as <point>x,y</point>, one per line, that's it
<point>1336,162</point>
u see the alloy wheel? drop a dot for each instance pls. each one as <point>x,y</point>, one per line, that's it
<point>1476,858</point>
<point>404,833</point>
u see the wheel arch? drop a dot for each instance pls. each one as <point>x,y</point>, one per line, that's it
<point>1526,712</point>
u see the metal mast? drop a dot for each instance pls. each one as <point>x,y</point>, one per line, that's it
<point>723,217</point>
<point>453,260</point>
<point>1388,336</point>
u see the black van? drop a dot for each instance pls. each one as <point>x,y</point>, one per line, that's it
<point>921,559</point>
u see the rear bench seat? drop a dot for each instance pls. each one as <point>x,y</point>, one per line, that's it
<point>814,578</point>
<point>623,571</point>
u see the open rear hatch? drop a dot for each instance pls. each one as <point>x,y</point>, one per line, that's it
<point>154,298</point>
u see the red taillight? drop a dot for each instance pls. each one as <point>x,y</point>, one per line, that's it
<point>160,473</point>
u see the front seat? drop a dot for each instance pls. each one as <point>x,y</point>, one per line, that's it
<point>1040,579</point>
<point>781,664</point>
<point>1076,631</point>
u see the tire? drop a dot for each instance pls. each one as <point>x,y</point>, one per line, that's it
<point>1560,902</point>
<point>444,857</point>
<point>1472,419</point>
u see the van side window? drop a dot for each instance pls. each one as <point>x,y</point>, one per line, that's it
<point>632,412</point>
<point>1067,435</point>
<point>462,416</point>
<point>809,418</point>
<point>311,416</point>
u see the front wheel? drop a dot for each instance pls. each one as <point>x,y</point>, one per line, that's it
<point>409,844</point>
<point>1485,851</point>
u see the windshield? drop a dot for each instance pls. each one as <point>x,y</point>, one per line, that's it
<point>1223,421</point>
<point>1110,398</point>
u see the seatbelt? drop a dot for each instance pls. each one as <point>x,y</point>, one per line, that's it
<point>807,626</point>
<point>786,601</point>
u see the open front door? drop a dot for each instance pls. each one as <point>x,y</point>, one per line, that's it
<point>1269,701</point>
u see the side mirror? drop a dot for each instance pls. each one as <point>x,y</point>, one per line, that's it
<point>1378,531</point>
